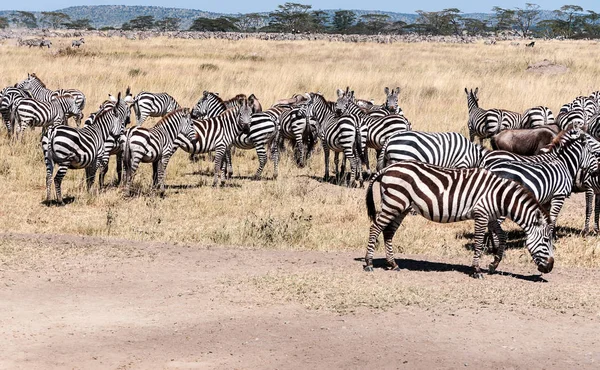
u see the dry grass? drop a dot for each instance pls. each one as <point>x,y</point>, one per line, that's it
<point>296,211</point>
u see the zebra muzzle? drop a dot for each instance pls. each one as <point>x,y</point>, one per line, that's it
<point>547,267</point>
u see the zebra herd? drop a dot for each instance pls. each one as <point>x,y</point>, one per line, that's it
<point>443,176</point>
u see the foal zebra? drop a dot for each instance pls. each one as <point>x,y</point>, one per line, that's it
<point>339,134</point>
<point>550,180</point>
<point>156,145</point>
<point>445,149</point>
<point>147,104</point>
<point>73,148</point>
<point>449,195</point>
<point>218,134</point>
<point>34,113</point>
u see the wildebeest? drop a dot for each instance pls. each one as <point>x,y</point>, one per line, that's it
<point>531,44</point>
<point>525,142</point>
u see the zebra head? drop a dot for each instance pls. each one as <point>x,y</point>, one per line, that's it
<point>244,117</point>
<point>539,241</point>
<point>472,103</point>
<point>391,100</point>
<point>186,125</point>
<point>345,98</point>
<point>256,106</point>
<point>119,106</point>
<point>203,105</point>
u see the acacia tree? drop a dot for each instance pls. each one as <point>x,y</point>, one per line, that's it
<point>79,24</point>
<point>343,21</point>
<point>221,24</point>
<point>167,24</point>
<point>504,18</point>
<point>445,22</point>
<point>24,19</point>
<point>250,22</point>
<point>142,23</point>
<point>291,17</point>
<point>54,19</point>
<point>526,17</point>
<point>568,15</point>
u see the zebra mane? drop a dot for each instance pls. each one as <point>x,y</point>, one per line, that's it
<point>238,97</point>
<point>171,113</point>
<point>33,75</point>
<point>563,140</point>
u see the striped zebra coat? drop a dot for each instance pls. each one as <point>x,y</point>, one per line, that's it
<point>156,145</point>
<point>33,113</point>
<point>147,104</point>
<point>73,148</point>
<point>450,195</point>
<point>338,134</point>
<point>444,149</point>
<point>9,97</point>
<point>485,123</point>
<point>262,132</point>
<point>536,117</point>
<point>293,128</point>
<point>551,181</point>
<point>218,134</point>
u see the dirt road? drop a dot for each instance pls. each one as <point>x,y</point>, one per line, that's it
<point>85,303</point>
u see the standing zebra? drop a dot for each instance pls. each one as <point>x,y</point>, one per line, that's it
<point>156,145</point>
<point>9,97</point>
<point>536,117</point>
<point>77,43</point>
<point>551,182</point>
<point>293,127</point>
<point>218,134</point>
<point>72,148</point>
<point>262,131</point>
<point>33,113</point>
<point>147,104</point>
<point>339,134</point>
<point>374,131</point>
<point>486,123</point>
<point>450,195</point>
<point>445,149</point>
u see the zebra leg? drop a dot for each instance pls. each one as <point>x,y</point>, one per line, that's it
<point>91,175</point>
<point>102,175</point>
<point>229,165</point>
<point>556,204</point>
<point>336,162</point>
<point>597,213</point>
<point>130,169</point>
<point>155,170</point>
<point>388,221</point>
<point>326,154</point>
<point>262,161</point>
<point>162,169</point>
<point>49,172</point>
<point>275,159</point>
<point>220,153</point>
<point>119,167</point>
<point>388,235</point>
<point>62,171</point>
<point>499,235</point>
<point>589,197</point>
<point>481,223</point>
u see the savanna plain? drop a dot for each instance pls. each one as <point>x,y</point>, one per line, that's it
<point>267,274</point>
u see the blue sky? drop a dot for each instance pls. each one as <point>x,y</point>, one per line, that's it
<point>238,6</point>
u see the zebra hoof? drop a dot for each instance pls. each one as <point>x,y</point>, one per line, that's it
<point>477,275</point>
<point>397,268</point>
<point>368,268</point>
<point>491,269</point>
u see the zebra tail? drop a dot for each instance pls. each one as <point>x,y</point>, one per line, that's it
<point>381,159</point>
<point>310,138</point>
<point>127,156</point>
<point>136,110</point>
<point>14,118</point>
<point>371,209</point>
<point>493,142</point>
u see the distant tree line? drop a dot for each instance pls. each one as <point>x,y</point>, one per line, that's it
<point>570,21</point>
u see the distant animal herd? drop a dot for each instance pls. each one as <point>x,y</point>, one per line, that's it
<point>538,159</point>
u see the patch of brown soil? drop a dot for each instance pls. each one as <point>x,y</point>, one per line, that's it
<point>547,67</point>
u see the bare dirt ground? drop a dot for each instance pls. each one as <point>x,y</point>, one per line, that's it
<point>86,302</point>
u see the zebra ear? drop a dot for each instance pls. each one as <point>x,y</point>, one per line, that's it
<point>466,91</point>
<point>476,91</point>
<point>111,98</point>
<point>340,93</point>
<point>205,93</point>
<point>386,90</point>
<point>398,90</point>
<point>538,218</point>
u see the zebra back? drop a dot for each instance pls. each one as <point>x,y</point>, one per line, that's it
<point>36,88</point>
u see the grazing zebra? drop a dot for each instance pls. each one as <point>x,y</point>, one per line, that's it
<point>486,123</point>
<point>9,97</point>
<point>147,104</point>
<point>156,145</point>
<point>262,131</point>
<point>33,113</point>
<point>551,181</point>
<point>445,149</point>
<point>218,134</point>
<point>73,148</point>
<point>447,195</point>
<point>77,43</point>
<point>537,116</point>
<point>339,134</point>
<point>374,131</point>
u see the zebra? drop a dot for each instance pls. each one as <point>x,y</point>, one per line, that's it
<point>9,97</point>
<point>374,131</point>
<point>211,104</point>
<point>486,123</point>
<point>337,133</point>
<point>218,134</point>
<point>445,149</point>
<point>72,148</point>
<point>156,145</point>
<point>262,131</point>
<point>293,127</point>
<point>34,113</point>
<point>38,90</point>
<point>447,195</point>
<point>589,105</point>
<point>147,104</point>
<point>237,100</point>
<point>77,43</point>
<point>43,43</point>
<point>551,181</point>
<point>536,117</point>
<point>575,114</point>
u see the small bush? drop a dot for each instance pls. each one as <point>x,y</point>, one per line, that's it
<point>209,67</point>
<point>136,72</point>
<point>70,52</point>
<point>251,57</point>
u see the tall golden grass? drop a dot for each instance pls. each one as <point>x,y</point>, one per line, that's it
<point>297,211</point>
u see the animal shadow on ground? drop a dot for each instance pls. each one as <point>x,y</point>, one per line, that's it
<point>427,266</point>
<point>515,239</point>
<point>332,180</point>
<point>53,202</point>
